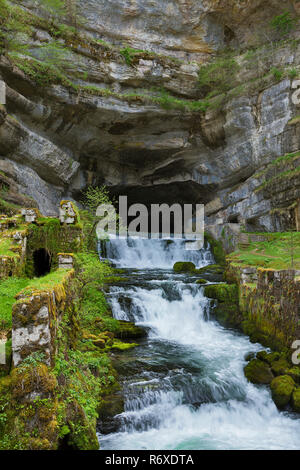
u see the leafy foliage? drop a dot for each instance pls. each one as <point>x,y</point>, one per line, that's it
<point>283,24</point>
<point>219,76</point>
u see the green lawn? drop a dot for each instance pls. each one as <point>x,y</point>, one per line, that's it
<point>46,282</point>
<point>280,251</point>
<point>9,288</point>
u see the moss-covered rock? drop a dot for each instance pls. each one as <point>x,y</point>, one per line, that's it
<point>227,310</point>
<point>122,346</point>
<point>272,357</point>
<point>128,330</point>
<point>249,356</point>
<point>282,388</point>
<point>212,269</point>
<point>294,372</point>
<point>280,366</point>
<point>258,372</point>
<point>201,281</point>
<point>262,355</point>
<point>216,248</point>
<point>184,267</point>
<point>296,400</point>
<point>222,292</point>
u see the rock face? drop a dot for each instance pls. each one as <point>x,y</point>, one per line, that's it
<point>116,126</point>
<point>188,29</point>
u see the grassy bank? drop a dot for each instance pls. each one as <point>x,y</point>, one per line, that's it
<point>278,251</point>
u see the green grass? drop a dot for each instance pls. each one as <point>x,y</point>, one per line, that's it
<point>47,282</point>
<point>5,247</point>
<point>275,253</point>
<point>9,288</point>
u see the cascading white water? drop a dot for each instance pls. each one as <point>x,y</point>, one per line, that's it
<point>188,390</point>
<point>159,254</point>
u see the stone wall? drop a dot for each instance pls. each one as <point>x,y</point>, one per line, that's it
<point>35,320</point>
<point>269,302</point>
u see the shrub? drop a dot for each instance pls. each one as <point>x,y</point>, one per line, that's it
<point>283,24</point>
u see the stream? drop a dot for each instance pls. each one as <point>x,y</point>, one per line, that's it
<point>184,385</point>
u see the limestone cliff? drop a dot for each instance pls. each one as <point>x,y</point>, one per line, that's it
<point>132,103</point>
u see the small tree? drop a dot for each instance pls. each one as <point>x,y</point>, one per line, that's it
<point>93,197</point>
<point>71,10</point>
<point>53,7</point>
<point>283,24</point>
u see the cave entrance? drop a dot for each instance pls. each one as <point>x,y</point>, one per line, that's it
<point>42,262</point>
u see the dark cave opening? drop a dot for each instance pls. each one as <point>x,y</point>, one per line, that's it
<point>233,219</point>
<point>42,262</point>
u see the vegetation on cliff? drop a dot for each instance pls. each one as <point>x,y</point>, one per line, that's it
<point>54,406</point>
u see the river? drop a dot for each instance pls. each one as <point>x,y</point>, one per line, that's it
<point>184,386</point>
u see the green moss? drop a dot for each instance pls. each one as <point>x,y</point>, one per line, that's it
<point>128,330</point>
<point>282,388</point>
<point>48,233</point>
<point>258,372</point>
<point>45,283</point>
<point>222,292</point>
<point>121,346</point>
<point>294,372</point>
<point>9,288</point>
<point>184,267</point>
<point>280,366</point>
<point>296,400</point>
<point>211,269</point>
<point>216,248</point>
<point>6,245</point>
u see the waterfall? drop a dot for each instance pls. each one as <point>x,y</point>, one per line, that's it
<point>184,387</point>
<point>148,254</point>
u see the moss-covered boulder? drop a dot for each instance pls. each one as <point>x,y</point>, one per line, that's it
<point>249,356</point>
<point>211,269</point>
<point>184,267</point>
<point>294,372</point>
<point>222,292</point>
<point>227,309</point>
<point>280,366</point>
<point>272,357</point>
<point>296,400</point>
<point>282,388</point>
<point>128,330</point>
<point>216,248</point>
<point>201,281</point>
<point>258,372</point>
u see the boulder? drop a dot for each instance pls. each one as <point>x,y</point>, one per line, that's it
<point>280,367</point>
<point>222,292</point>
<point>128,330</point>
<point>296,400</point>
<point>184,267</point>
<point>294,372</point>
<point>258,372</point>
<point>282,388</point>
